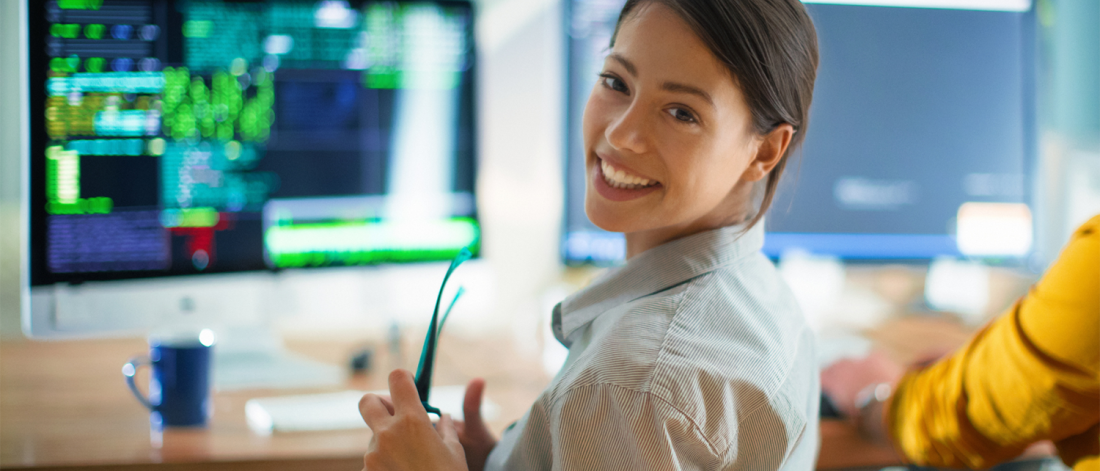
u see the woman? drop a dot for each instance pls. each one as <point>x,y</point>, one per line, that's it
<point>693,355</point>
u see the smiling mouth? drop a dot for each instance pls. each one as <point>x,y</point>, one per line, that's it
<point>618,178</point>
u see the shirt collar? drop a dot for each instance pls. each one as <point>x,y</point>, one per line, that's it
<point>654,270</point>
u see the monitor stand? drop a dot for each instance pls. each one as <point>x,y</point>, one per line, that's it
<point>248,353</point>
<point>254,358</point>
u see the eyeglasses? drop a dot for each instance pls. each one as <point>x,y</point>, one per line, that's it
<point>427,354</point>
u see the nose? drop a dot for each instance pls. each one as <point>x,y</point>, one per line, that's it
<point>627,130</point>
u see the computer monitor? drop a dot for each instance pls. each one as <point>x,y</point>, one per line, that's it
<point>921,139</point>
<point>188,157</point>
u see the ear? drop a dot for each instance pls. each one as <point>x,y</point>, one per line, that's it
<point>770,151</point>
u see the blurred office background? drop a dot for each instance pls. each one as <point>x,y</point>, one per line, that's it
<point>522,111</point>
<point>922,295</point>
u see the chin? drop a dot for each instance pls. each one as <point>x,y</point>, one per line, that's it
<point>605,217</point>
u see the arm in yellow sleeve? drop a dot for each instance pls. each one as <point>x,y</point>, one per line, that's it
<point>1032,374</point>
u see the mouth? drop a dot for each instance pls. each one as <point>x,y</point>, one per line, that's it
<point>622,179</point>
<point>617,184</point>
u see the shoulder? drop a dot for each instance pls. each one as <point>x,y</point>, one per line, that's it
<point>739,359</point>
<point>742,311</point>
<point>724,351</point>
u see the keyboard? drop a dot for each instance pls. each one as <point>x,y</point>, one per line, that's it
<point>340,410</point>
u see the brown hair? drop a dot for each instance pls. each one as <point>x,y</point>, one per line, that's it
<point>770,48</point>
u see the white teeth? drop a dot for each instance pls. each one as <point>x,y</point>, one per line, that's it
<point>620,179</point>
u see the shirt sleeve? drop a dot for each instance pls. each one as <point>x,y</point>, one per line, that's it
<point>1032,374</point>
<point>608,427</point>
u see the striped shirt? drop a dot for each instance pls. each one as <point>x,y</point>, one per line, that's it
<point>692,355</point>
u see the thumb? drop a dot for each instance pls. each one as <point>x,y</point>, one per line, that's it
<point>471,406</point>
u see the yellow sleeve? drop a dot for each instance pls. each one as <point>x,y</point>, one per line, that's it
<point>1032,374</point>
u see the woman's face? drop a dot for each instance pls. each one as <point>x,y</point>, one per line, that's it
<point>668,135</point>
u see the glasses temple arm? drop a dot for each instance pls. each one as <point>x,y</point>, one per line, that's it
<point>427,354</point>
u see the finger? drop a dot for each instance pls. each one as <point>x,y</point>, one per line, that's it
<point>372,448</point>
<point>403,393</point>
<point>386,401</point>
<point>373,444</point>
<point>446,430</point>
<point>471,405</point>
<point>373,410</point>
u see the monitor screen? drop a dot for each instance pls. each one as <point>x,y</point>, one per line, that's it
<point>918,112</point>
<point>201,136</point>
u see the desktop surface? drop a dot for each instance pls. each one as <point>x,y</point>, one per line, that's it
<point>65,404</point>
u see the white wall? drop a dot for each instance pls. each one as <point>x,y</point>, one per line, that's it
<point>520,184</point>
<point>9,168</point>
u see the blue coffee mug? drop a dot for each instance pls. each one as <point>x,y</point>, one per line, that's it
<point>179,388</point>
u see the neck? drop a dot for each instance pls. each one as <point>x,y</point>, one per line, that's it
<point>734,209</point>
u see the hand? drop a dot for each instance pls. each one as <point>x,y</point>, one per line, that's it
<point>404,438</point>
<point>843,380</point>
<point>477,440</point>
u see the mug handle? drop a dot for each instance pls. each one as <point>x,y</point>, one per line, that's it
<point>129,370</point>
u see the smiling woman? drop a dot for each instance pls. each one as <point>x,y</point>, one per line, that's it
<point>682,103</point>
<point>692,355</point>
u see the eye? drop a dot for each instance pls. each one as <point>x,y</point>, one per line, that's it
<point>682,115</point>
<point>614,83</point>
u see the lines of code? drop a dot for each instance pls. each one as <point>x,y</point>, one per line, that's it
<point>323,36</point>
<point>116,146</point>
<point>213,175</point>
<point>103,86</point>
<point>191,109</point>
<point>108,96</point>
<point>413,46</point>
<point>121,241</point>
<point>63,185</point>
<point>281,33</point>
<point>118,82</point>
<point>101,114</point>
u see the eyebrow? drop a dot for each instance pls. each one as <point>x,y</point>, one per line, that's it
<point>667,86</point>
<point>629,66</point>
<point>681,88</point>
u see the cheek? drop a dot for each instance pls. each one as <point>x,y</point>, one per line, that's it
<point>593,118</point>
<point>703,167</point>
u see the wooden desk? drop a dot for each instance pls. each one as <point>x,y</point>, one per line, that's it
<point>65,405</point>
<point>904,340</point>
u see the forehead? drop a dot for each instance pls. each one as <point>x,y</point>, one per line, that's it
<point>663,47</point>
